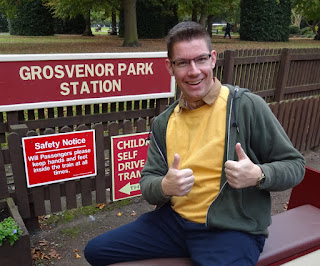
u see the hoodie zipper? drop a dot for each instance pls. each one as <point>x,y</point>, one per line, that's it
<point>234,124</point>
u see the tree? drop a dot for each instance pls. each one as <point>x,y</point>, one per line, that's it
<point>265,20</point>
<point>68,9</point>
<point>23,21</point>
<point>130,23</point>
<point>310,10</point>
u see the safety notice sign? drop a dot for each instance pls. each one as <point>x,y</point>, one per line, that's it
<point>129,154</point>
<point>59,157</point>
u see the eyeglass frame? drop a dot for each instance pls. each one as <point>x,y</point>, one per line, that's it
<point>189,60</point>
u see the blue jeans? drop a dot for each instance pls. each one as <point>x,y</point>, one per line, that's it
<point>163,233</point>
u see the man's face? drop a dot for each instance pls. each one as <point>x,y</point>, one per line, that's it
<point>194,80</point>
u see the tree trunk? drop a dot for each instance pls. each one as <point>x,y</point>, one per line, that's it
<point>209,28</point>
<point>114,22</point>
<point>87,31</point>
<point>317,37</point>
<point>130,23</point>
<point>194,11</point>
<point>203,14</point>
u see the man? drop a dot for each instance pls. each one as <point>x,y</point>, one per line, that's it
<point>213,157</point>
<point>228,29</point>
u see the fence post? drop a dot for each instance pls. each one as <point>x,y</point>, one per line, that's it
<point>282,74</point>
<point>4,193</point>
<point>228,67</point>
<point>161,105</point>
<point>17,162</point>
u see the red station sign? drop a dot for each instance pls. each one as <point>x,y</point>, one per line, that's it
<point>59,157</point>
<point>43,81</point>
<point>129,154</point>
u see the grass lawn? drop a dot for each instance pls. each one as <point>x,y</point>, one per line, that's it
<point>104,43</point>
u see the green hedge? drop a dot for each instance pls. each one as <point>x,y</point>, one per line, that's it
<point>265,20</point>
<point>32,19</point>
<point>3,23</point>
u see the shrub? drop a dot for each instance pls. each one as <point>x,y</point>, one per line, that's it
<point>3,23</point>
<point>306,31</point>
<point>293,29</point>
<point>265,20</point>
<point>9,230</point>
<point>31,19</point>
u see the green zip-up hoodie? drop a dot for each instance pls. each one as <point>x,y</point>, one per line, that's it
<point>250,122</point>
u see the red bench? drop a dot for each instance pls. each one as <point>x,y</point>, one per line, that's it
<point>293,233</point>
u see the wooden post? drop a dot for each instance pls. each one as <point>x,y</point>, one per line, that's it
<point>228,67</point>
<point>17,162</point>
<point>282,74</point>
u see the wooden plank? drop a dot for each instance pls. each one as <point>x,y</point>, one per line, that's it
<point>113,131</point>
<point>55,197</point>
<point>85,183</point>
<point>38,200</point>
<point>309,106</point>
<point>4,193</point>
<point>228,69</point>
<point>316,131</point>
<point>292,119</point>
<point>100,177</point>
<point>54,189</point>
<point>302,124</point>
<point>37,193</point>
<point>311,131</point>
<point>282,74</point>
<point>286,119</point>
<point>297,124</point>
<point>21,191</point>
<point>70,186</point>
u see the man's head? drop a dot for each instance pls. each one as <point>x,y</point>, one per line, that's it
<point>186,31</point>
<point>191,61</point>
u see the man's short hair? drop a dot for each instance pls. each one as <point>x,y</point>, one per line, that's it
<point>186,31</point>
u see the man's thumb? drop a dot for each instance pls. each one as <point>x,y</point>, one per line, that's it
<point>240,152</point>
<point>176,161</point>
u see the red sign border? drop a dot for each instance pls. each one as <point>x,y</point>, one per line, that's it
<point>112,164</point>
<point>66,179</point>
<point>88,56</point>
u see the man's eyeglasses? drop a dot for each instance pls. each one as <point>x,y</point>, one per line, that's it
<point>199,60</point>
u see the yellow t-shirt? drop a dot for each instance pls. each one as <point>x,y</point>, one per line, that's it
<point>198,136</point>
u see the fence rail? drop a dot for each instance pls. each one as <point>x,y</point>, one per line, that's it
<point>288,79</point>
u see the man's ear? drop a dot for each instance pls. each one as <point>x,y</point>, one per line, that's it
<point>169,67</point>
<point>213,58</point>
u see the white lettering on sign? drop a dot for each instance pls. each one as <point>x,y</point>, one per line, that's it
<point>46,145</point>
<point>129,144</point>
<point>135,69</point>
<point>75,141</point>
<point>60,71</point>
<point>94,86</point>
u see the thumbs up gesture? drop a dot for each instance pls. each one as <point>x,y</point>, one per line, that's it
<point>242,173</point>
<point>177,182</point>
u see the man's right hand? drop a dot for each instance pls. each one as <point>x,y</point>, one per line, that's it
<point>177,182</point>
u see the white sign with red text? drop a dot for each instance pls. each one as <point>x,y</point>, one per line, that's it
<point>129,154</point>
<point>59,157</point>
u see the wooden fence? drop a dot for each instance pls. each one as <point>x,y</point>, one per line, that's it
<point>276,75</point>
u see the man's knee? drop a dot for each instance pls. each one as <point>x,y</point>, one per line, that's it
<point>90,252</point>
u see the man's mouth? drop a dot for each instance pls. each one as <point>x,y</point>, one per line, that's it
<point>196,82</point>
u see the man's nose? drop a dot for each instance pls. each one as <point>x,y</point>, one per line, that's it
<point>193,67</point>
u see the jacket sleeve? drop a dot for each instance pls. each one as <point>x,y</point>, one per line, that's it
<point>155,168</point>
<point>272,150</point>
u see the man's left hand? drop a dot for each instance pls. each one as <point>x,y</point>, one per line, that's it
<point>242,173</point>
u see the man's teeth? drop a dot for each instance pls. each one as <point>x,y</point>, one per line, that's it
<point>194,82</point>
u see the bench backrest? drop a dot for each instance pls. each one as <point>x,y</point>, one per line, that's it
<point>307,192</point>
